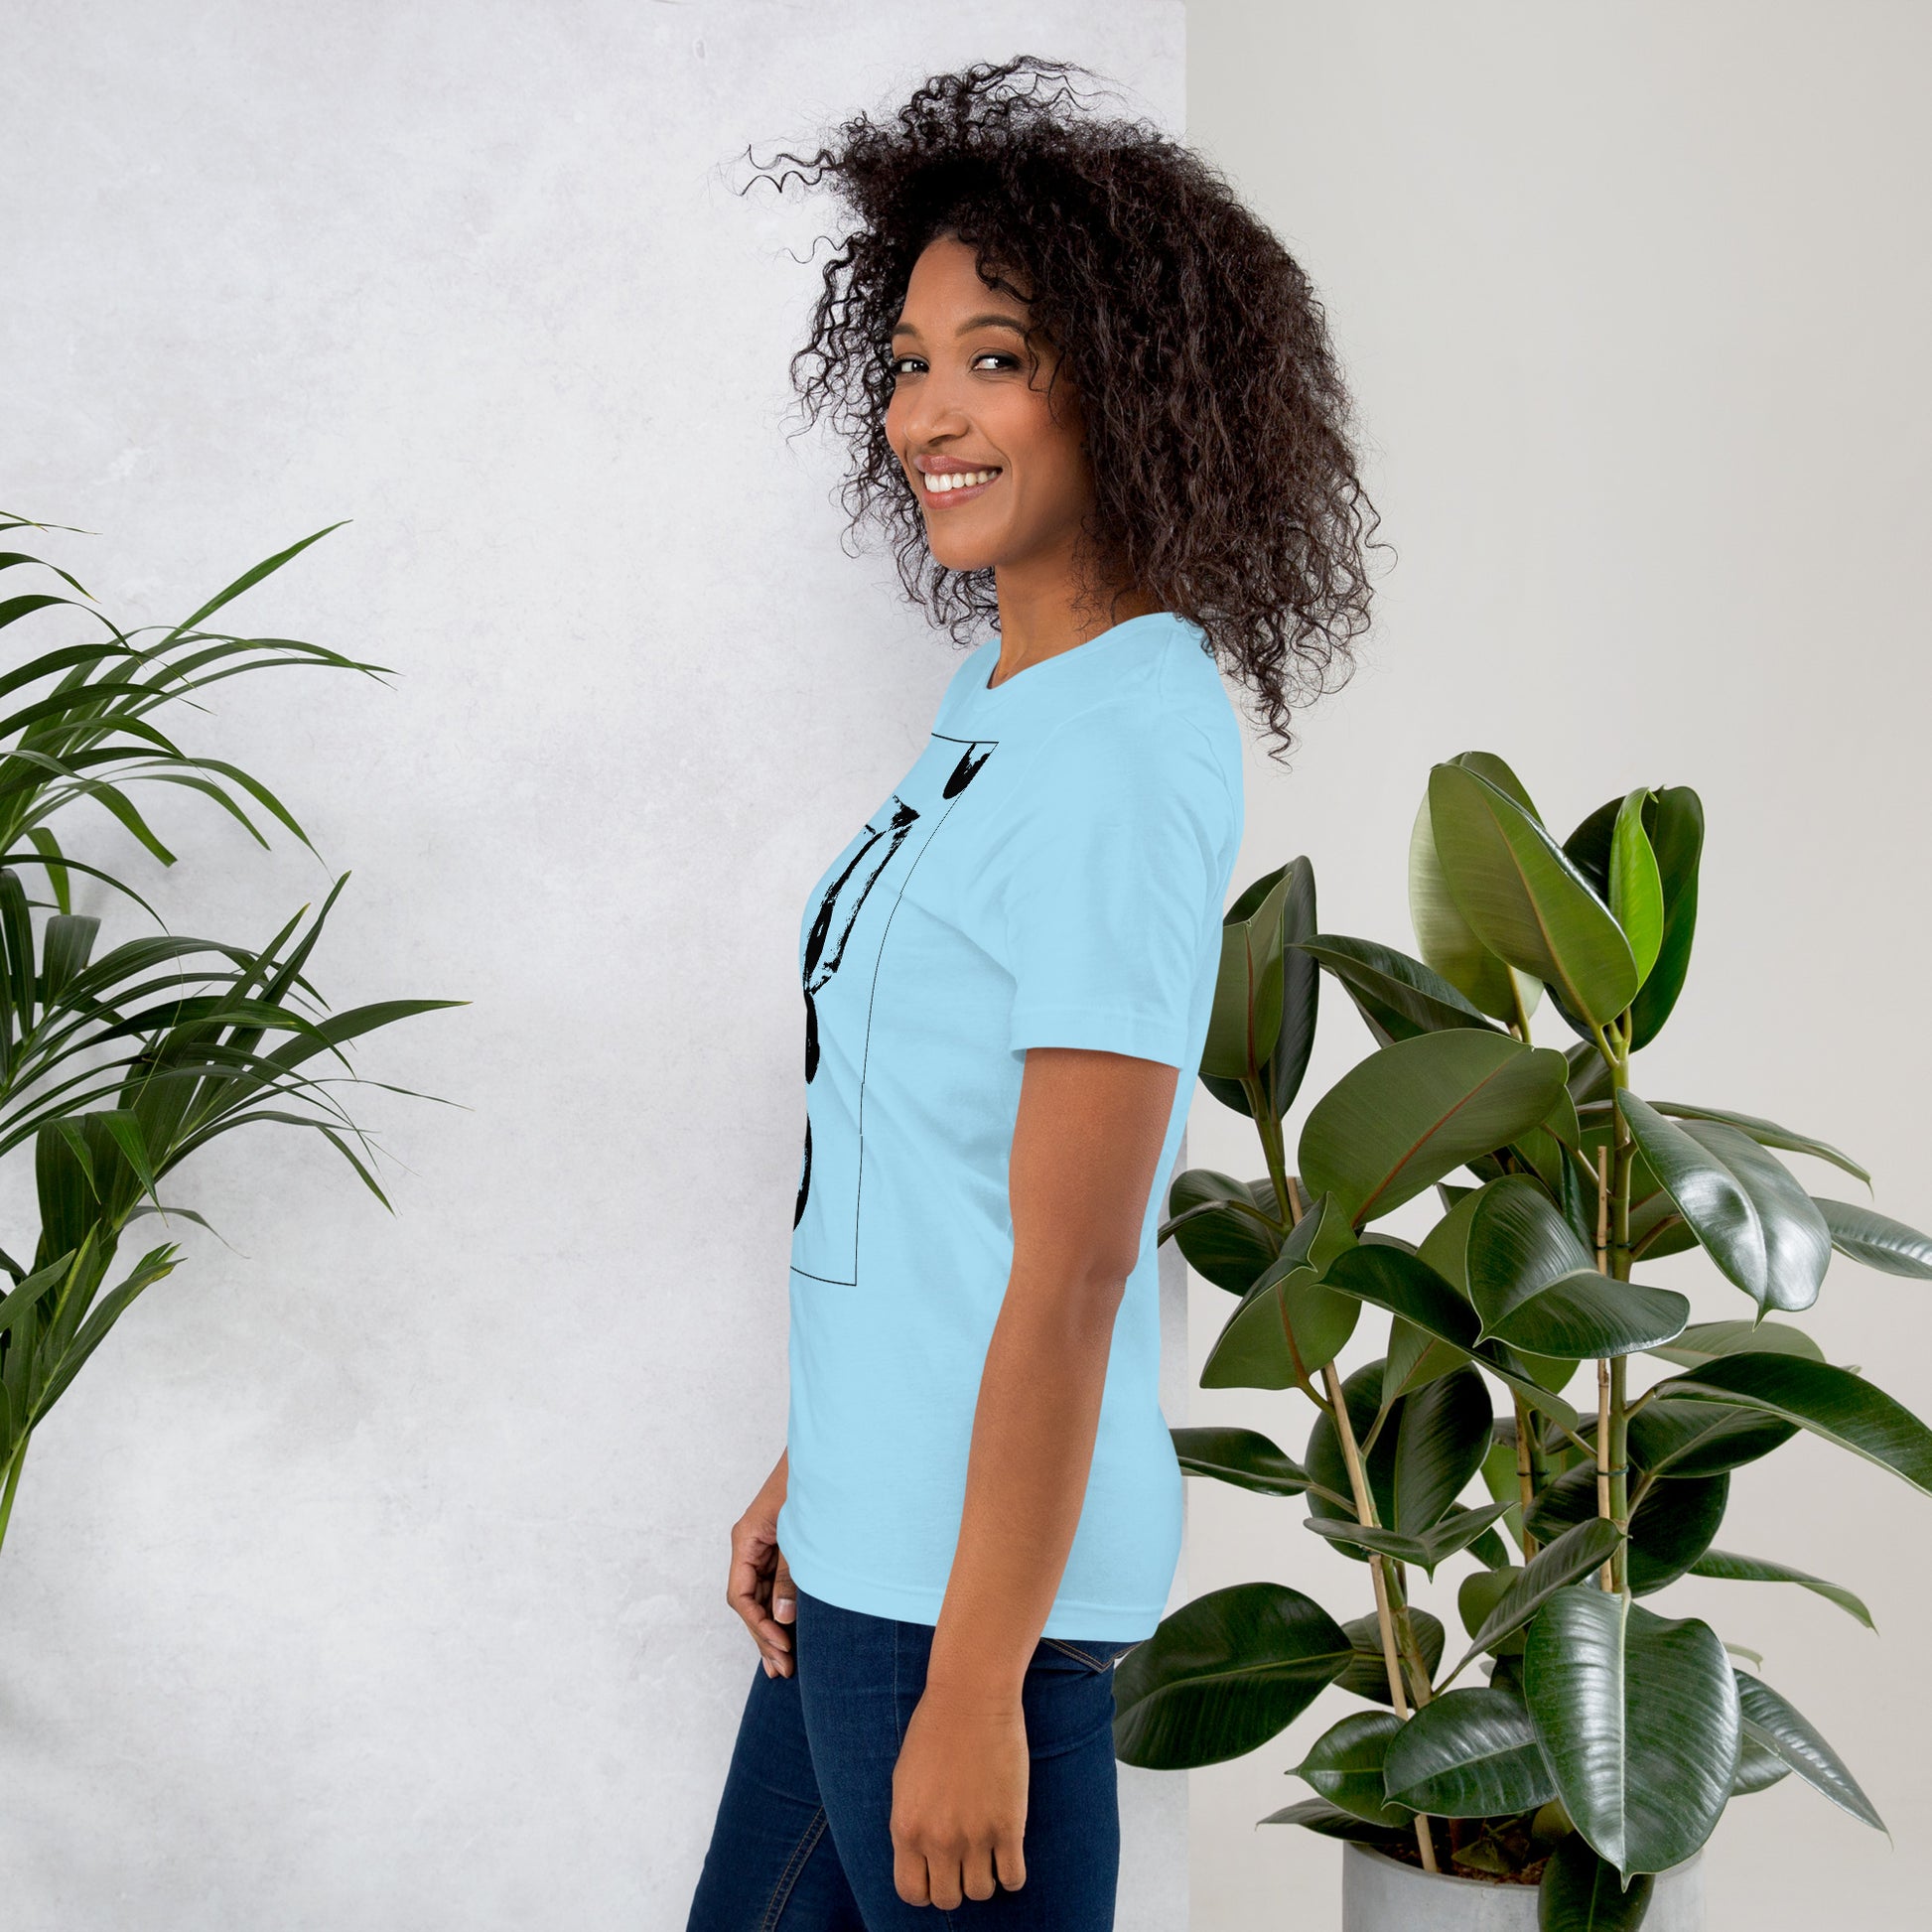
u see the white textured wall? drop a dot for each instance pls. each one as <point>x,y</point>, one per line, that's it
<point>1636,302</point>
<point>372,1575</point>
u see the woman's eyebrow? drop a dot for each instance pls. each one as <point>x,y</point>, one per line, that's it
<point>972,322</point>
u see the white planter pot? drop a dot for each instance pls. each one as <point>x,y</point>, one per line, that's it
<point>1382,1895</point>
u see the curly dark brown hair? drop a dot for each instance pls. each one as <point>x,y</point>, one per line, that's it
<point>1217,420</point>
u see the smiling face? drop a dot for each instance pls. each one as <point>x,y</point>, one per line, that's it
<point>969,401</point>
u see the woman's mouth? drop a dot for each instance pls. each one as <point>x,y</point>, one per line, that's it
<point>944,487</point>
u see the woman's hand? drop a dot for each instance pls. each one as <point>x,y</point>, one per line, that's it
<point>959,1797</point>
<point>759,1586</point>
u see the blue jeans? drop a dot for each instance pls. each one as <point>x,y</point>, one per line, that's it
<point>804,1837</point>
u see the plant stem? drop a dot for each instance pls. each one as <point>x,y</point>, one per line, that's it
<point>1384,1612</point>
<point>13,1483</point>
<point>1606,1576</point>
<point>1615,1419</point>
<point>1525,1476</point>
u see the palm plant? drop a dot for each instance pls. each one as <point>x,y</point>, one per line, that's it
<point>1608,1738</point>
<point>117,1066</point>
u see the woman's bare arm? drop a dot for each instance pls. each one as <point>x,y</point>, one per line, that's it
<point>1085,1145</point>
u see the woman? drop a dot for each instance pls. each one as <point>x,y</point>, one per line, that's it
<point>1092,400</point>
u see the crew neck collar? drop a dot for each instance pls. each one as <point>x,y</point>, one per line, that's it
<point>992,693</point>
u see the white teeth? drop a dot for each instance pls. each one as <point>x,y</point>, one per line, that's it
<point>958,478</point>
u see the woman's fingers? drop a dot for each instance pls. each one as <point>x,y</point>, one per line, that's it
<point>748,1591</point>
<point>1009,1861</point>
<point>784,1597</point>
<point>976,1875</point>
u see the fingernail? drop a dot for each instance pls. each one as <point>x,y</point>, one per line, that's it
<point>768,1671</point>
<point>785,1608</point>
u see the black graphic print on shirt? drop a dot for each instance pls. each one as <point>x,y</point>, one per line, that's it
<point>839,968</point>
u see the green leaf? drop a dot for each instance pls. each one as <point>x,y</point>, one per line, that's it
<point>1524,898</point>
<point>1318,1814</point>
<point>1362,1393</point>
<point>1406,1285</point>
<point>1225,1235</point>
<point>1287,1300</point>
<point>1773,1723</point>
<point>1242,1456</point>
<point>1638,1716</point>
<point>1701,1439</point>
<point>1444,938</point>
<point>1367,1675</point>
<point>1400,995</point>
<point>1876,1240</point>
<point>1636,893</point>
<point>1754,1220</point>
<point>1441,1441</point>
<point>1758,1767</point>
<point>1266,994</point>
<point>1722,1564</point>
<point>1455,1533</point>
<point>1581,1893</point>
<point>1344,1764</point>
<point>1767,1133</point>
<point>1417,1110</point>
<point>1578,1552</point>
<point>1674,823</point>
<point>1670,1529</point>
<point>1830,1402</point>
<point>1223,1674</point>
<point>1469,1753</point>
<point>1589,1314</point>
<point>1706,1341</point>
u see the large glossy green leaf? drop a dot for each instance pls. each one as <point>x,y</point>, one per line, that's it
<point>1222,1229</point>
<point>1453,1534</point>
<point>1416,1111</point>
<point>1406,1285</point>
<point>1758,1767</point>
<point>1367,1675</point>
<point>1267,994</point>
<point>1773,1723</point>
<point>1443,936</point>
<point>1580,1892</point>
<point>1522,898</point>
<point>1287,1313</point>
<point>1245,1020</point>
<point>1578,1552</point>
<point>1767,1133</point>
<point>1242,1456</point>
<point>1637,894</point>
<point>1440,1445</point>
<point>1701,1439</point>
<point>1730,1567</point>
<point>1362,1394</point>
<point>1589,1314</point>
<point>1318,1814</point>
<point>1673,820</point>
<point>1670,1527</point>
<point>1224,1674</point>
<point>1344,1764</point>
<point>1706,1341</point>
<point>1469,1753</point>
<point>1876,1239</point>
<point>1638,1716</point>
<point>1753,1219</point>
<point>1400,997</point>
<point>1830,1402</point>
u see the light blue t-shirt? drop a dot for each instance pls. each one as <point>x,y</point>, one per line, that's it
<point>1052,871</point>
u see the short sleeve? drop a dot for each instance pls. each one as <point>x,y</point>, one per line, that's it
<point>1111,883</point>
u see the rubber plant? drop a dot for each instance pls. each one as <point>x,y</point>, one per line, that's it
<point>117,1064</point>
<point>1603,1737</point>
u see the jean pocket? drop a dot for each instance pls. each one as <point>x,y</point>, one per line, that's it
<point>1091,1656</point>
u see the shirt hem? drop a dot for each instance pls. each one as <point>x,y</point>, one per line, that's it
<point>918,1604</point>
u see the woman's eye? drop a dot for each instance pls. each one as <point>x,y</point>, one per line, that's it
<point>896,365</point>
